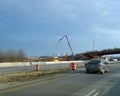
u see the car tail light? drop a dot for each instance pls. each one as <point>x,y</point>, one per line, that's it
<point>100,65</point>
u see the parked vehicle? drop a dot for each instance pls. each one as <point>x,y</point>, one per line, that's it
<point>96,65</point>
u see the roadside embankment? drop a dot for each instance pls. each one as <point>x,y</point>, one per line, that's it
<point>23,71</point>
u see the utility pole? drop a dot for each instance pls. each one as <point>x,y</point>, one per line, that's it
<point>93,45</point>
<point>94,49</point>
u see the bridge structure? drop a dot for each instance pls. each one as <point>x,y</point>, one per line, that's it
<point>84,56</point>
<point>92,54</point>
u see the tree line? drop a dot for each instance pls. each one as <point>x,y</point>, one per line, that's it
<point>12,55</point>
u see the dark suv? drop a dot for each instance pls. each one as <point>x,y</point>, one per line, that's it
<point>96,65</point>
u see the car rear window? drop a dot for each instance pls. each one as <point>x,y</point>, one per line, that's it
<point>94,61</point>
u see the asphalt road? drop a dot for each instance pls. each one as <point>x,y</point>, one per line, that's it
<point>73,83</point>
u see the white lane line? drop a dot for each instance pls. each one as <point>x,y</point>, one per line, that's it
<point>91,92</point>
<point>117,74</point>
<point>96,94</point>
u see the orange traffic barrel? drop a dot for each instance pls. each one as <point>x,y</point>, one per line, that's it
<point>73,66</point>
<point>37,67</point>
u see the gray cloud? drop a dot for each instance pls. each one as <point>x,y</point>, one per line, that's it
<point>54,18</point>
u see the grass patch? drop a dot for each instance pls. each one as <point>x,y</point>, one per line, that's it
<point>27,76</point>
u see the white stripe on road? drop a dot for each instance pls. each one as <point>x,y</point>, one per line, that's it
<point>117,74</point>
<point>96,94</point>
<point>91,92</point>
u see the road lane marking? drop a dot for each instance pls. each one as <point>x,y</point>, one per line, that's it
<point>116,74</point>
<point>91,92</point>
<point>96,94</point>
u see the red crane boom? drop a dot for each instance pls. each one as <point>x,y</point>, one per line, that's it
<point>68,43</point>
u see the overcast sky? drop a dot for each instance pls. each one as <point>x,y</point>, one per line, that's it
<point>36,25</point>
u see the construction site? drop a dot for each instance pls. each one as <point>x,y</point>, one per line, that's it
<point>80,56</point>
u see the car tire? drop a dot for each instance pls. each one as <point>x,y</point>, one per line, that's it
<point>102,72</point>
<point>87,72</point>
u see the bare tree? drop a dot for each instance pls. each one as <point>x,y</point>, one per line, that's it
<point>11,55</point>
<point>21,55</point>
<point>2,56</point>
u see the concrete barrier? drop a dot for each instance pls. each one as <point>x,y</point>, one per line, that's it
<point>14,64</point>
<point>5,64</point>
